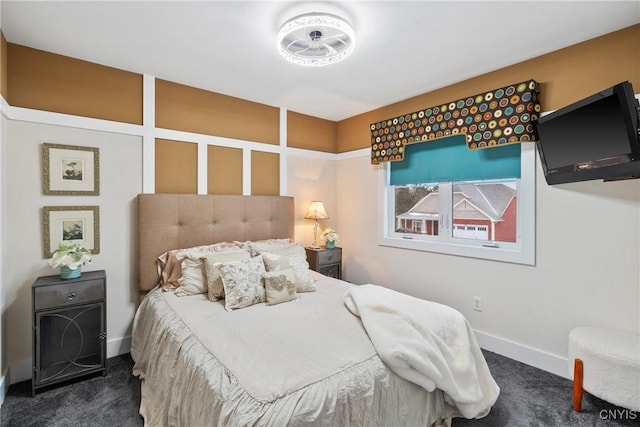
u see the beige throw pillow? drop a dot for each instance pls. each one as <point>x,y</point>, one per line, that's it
<point>280,286</point>
<point>169,264</point>
<point>268,245</point>
<point>242,282</point>
<point>284,249</point>
<point>193,280</point>
<point>304,280</point>
<point>214,281</point>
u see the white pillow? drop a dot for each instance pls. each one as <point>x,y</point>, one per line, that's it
<point>268,245</point>
<point>280,286</point>
<point>282,249</point>
<point>242,282</point>
<point>170,267</point>
<point>304,281</point>
<point>215,287</point>
<point>193,280</point>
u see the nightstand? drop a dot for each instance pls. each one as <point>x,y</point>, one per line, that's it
<point>69,328</point>
<point>326,261</point>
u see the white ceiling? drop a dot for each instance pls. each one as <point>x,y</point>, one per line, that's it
<point>404,48</point>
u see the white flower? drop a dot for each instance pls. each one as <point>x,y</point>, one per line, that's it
<point>71,256</point>
<point>330,235</point>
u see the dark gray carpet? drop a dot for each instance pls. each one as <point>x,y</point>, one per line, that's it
<point>529,397</point>
<point>95,401</point>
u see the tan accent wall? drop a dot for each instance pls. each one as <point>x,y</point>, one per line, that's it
<point>176,167</point>
<point>310,132</point>
<point>224,170</point>
<point>265,173</point>
<point>196,110</point>
<point>3,66</point>
<point>565,75</point>
<point>45,81</point>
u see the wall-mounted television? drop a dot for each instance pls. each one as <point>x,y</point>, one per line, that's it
<point>594,138</point>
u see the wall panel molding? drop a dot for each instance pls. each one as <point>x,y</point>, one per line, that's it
<point>80,122</point>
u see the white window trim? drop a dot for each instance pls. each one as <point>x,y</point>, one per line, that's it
<point>522,252</point>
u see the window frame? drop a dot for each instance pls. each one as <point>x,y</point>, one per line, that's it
<point>521,252</point>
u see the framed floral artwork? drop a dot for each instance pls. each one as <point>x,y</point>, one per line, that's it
<point>70,224</point>
<point>70,170</point>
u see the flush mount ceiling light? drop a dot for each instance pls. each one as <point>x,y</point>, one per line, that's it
<point>316,39</point>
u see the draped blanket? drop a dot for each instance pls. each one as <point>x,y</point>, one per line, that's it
<point>429,344</point>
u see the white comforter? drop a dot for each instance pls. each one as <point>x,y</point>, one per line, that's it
<point>306,362</point>
<point>427,343</point>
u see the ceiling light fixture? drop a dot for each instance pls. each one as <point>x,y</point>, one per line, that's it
<point>316,39</point>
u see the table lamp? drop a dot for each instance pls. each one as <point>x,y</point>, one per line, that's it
<point>316,211</point>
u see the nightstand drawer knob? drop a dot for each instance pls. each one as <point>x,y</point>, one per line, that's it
<point>72,295</point>
<point>330,257</point>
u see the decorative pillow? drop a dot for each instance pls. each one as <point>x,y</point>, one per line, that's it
<point>264,245</point>
<point>304,281</point>
<point>212,273</point>
<point>284,249</point>
<point>280,286</point>
<point>199,251</point>
<point>193,280</point>
<point>170,267</point>
<point>169,270</point>
<point>242,282</point>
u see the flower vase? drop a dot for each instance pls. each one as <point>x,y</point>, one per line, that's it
<point>330,245</point>
<point>68,273</point>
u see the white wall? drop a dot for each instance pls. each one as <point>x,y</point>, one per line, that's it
<point>310,178</point>
<point>586,272</point>
<point>120,182</point>
<point>4,382</point>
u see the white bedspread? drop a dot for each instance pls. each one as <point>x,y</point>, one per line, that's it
<point>306,362</point>
<point>427,343</point>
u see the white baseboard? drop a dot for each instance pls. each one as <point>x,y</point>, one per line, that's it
<point>22,371</point>
<point>118,346</point>
<point>537,358</point>
<point>4,387</point>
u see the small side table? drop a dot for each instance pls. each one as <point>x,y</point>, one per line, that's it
<point>69,328</point>
<point>326,261</point>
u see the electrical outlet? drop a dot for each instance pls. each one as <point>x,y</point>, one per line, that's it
<point>477,303</point>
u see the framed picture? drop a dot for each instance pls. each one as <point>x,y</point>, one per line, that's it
<point>70,224</point>
<point>70,170</point>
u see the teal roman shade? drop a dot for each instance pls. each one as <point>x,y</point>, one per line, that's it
<point>449,159</point>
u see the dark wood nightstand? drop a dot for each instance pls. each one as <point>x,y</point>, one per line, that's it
<point>69,328</point>
<point>326,261</point>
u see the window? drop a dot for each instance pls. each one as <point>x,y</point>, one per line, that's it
<point>482,218</point>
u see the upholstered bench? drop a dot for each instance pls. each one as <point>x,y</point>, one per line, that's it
<point>605,363</point>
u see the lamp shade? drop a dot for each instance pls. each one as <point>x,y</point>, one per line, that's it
<point>316,211</point>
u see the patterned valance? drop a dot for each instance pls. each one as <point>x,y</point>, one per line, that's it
<point>489,119</point>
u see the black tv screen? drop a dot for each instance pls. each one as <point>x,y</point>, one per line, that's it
<point>595,138</point>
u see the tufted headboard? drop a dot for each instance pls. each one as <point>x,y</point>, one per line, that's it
<point>173,221</point>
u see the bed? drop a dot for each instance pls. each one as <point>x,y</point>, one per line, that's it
<point>308,360</point>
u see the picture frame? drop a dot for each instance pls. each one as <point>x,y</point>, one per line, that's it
<point>72,224</point>
<point>70,170</point>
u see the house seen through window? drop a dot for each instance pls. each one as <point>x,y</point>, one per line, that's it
<point>438,200</point>
<point>480,211</point>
